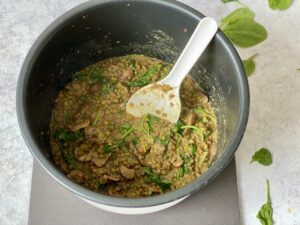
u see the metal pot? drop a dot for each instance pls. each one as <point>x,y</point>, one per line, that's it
<point>101,29</point>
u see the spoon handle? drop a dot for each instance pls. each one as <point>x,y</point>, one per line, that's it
<point>203,34</point>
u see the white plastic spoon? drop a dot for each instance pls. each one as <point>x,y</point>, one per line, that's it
<point>162,99</point>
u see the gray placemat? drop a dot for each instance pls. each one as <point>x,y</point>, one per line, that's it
<point>216,204</point>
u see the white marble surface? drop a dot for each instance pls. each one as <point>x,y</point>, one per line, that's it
<point>274,118</point>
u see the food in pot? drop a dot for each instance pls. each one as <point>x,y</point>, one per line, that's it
<point>98,145</point>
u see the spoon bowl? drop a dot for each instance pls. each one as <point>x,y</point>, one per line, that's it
<point>162,98</point>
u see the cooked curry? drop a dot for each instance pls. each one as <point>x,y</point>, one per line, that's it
<point>101,147</point>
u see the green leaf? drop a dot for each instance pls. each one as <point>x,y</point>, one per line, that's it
<point>194,150</point>
<point>201,111</point>
<point>279,4</point>
<point>240,13</point>
<point>163,142</point>
<point>64,136</point>
<point>151,120</point>
<point>180,172</point>
<point>245,32</point>
<point>154,178</point>
<point>263,156</point>
<point>146,78</point>
<point>176,128</point>
<point>109,148</point>
<point>249,65</point>
<point>196,129</point>
<point>265,214</point>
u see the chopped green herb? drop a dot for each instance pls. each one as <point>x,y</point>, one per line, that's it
<point>265,214</point>
<point>194,150</point>
<point>145,79</point>
<point>132,65</point>
<point>64,136</point>
<point>84,98</point>
<point>279,4</point>
<point>96,75</point>
<point>154,178</point>
<point>151,120</point>
<point>203,112</point>
<point>176,128</point>
<point>202,158</point>
<point>180,172</point>
<point>108,87</point>
<point>79,76</point>
<point>249,65</point>
<point>125,127</point>
<point>187,163</point>
<point>109,148</point>
<point>163,142</point>
<point>96,118</point>
<point>69,158</point>
<point>196,129</point>
<point>135,140</point>
<point>263,156</point>
<point>127,132</point>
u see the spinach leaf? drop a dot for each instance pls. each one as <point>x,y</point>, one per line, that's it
<point>176,128</point>
<point>263,156</point>
<point>249,65</point>
<point>125,127</point>
<point>265,214</point>
<point>196,129</point>
<point>203,112</point>
<point>240,13</point>
<point>65,136</point>
<point>109,148</point>
<point>279,4</point>
<point>163,142</point>
<point>154,178</point>
<point>245,32</point>
<point>180,172</point>
<point>151,120</point>
<point>145,79</point>
<point>194,150</point>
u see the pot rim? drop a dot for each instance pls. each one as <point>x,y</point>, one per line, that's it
<point>190,188</point>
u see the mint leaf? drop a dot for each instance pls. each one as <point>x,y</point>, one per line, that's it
<point>265,214</point>
<point>279,4</point>
<point>249,65</point>
<point>262,156</point>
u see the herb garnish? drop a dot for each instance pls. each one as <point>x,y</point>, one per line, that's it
<point>249,65</point>
<point>263,156</point>
<point>265,214</point>
<point>64,136</point>
<point>279,4</point>
<point>196,129</point>
<point>154,178</point>
<point>151,120</point>
<point>109,148</point>
<point>145,79</point>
